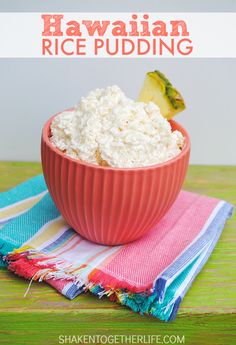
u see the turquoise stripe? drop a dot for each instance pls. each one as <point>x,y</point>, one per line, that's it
<point>22,228</point>
<point>142,303</point>
<point>30,188</point>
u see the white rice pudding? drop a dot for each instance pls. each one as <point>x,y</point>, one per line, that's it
<point>107,128</point>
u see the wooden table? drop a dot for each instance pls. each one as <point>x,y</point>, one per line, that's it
<point>206,316</point>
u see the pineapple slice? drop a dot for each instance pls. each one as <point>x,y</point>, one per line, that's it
<point>158,89</point>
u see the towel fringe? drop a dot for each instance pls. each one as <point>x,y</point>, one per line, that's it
<point>97,276</point>
<point>36,266</point>
<point>32,264</point>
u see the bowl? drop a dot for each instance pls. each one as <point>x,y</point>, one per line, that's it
<point>108,205</point>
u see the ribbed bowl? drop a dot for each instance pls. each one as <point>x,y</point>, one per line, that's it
<point>110,205</point>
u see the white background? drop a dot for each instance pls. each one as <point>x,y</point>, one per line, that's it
<point>31,90</point>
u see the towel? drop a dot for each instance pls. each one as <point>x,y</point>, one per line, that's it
<point>21,198</point>
<point>150,276</point>
<point>15,202</point>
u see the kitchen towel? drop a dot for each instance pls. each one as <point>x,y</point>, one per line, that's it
<point>19,199</point>
<point>15,202</point>
<point>150,275</point>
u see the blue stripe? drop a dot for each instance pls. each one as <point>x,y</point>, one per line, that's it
<point>218,224</point>
<point>59,241</point>
<point>175,309</point>
<point>30,188</point>
<point>73,291</point>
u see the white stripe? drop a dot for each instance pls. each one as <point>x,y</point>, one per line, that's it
<point>84,273</point>
<point>95,263</point>
<point>87,249</point>
<point>83,252</point>
<point>105,255</point>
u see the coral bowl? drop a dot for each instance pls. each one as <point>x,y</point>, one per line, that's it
<point>111,205</point>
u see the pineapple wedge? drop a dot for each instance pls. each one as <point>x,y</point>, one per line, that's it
<point>158,89</point>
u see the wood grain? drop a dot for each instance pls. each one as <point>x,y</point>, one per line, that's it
<point>209,306</point>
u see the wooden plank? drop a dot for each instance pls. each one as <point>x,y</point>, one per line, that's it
<point>39,328</point>
<point>12,173</point>
<point>210,303</point>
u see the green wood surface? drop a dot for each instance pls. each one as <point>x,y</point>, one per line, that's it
<point>207,314</point>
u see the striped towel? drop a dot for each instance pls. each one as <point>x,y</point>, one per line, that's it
<point>150,276</point>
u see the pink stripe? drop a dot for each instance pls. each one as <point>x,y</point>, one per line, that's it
<point>160,247</point>
<point>58,284</point>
